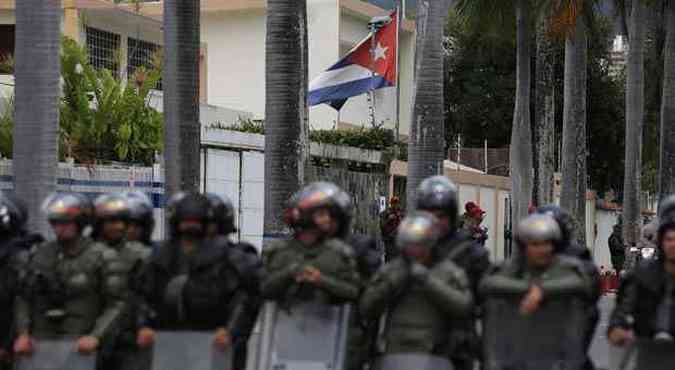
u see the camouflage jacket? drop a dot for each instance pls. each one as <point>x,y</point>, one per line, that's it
<point>422,313</point>
<point>339,276</point>
<point>12,264</point>
<point>72,294</point>
<point>565,277</point>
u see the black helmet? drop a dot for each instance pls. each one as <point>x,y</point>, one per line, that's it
<point>315,196</point>
<point>563,218</point>
<point>223,213</point>
<point>13,215</point>
<point>68,207</point>
<point>438,193</point>
<point>141,212</point>
<point>111,206</point>
<point>667,209</point>
<point>184,206</point>
<point>538,228</point>
<point>419,228</point>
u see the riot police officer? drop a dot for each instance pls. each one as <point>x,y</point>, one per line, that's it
<point>141,221</point>
<point>112,214</point>
<point>570,248</point>
<point>538,273</point>
<point>192,283</point>
<point>13,255</point>
<point>311,265</point>
<point>73,286</point>
<point>644,305</point>
<point>438,195</point>
<point>221,226</point>
<point>222,222</point>
<point>427,296</point>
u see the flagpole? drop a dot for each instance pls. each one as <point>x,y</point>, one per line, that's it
<point>399,16</point>
<point>373,33</point>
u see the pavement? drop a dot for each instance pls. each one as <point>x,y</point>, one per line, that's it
<point>601,352</point>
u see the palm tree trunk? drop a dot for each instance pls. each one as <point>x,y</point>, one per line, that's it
<point>37,72</point>
<point>667,172</point>
<point>182,128</point>
<point>521,134</point>
<point>573,197</point>
<point>634,123</point>
<point>285,108</point>
<point>544,115</point>
<point>426,146</point>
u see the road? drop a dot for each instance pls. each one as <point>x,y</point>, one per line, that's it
<point>600,349</point>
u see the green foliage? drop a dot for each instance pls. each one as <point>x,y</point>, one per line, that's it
<point>364,138</point>
<point>7,128</point>
<point>243,125</point>
<point>101,118</point>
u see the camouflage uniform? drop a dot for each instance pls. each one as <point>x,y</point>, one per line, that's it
<point>78,293</point>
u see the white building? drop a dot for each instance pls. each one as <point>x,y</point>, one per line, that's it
<point>233,38</point>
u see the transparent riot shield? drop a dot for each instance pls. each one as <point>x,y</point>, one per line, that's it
<point>412,361</point>
<point>56,354</point>
<point>187,350</point>
<point>550,339</point>
<point>643,355</point>
<point>308,336</point>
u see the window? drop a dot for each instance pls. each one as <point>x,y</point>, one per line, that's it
<point>103,48</point>
<point>142,54</point>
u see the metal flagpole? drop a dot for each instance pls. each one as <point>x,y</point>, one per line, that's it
<point>373,32</point>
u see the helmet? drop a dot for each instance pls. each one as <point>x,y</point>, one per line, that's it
<point>315,196</point>
<point>13,214</point>
<point>667,209</point>
<point>419,228</point>
<point>438,193</point>
<point>111,206</point>
<point>563,218</point>
<point>184,206</point>
<point>141,212</point>
<point>538,228</point>
<point>68,207</point>
<point>223,213</point>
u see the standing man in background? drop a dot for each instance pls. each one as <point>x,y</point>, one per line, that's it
<point>389,221</point>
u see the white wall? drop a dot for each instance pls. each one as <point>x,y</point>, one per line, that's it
<point>236,59</point>
<point>605,221</point>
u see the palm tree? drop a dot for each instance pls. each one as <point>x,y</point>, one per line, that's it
<point>544,113</point>
<point>573,197</point>
<point>37,72</point>
<point>426,146</point>
<point>500,13</point>
<point>667,170</point>
<point>285,108</point>
<point>634,122</point>
<point>181,95</point>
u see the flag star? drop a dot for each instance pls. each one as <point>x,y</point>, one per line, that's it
<point>380,52</point>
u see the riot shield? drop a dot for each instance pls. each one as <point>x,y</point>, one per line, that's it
<point>187,350</point>
<point>308,336</point>
<point>550,339</point>
<point>56,354</point>
<point>412,361</point>
<point>643,355</point>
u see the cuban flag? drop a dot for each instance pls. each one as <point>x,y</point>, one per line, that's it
<point>353,75</point>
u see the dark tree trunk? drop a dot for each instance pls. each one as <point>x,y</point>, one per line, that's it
<point>544,115</point>
<point>521,134</point>
<point>426,146</point>
<point>285,108</point>
<point>667,162</point>
<point>634,123</point>
<point>182,128</point>
<point>37,72</point>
